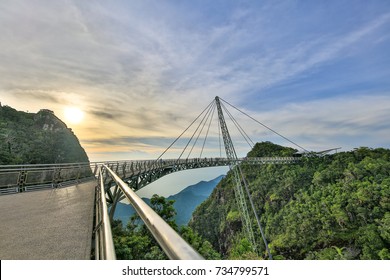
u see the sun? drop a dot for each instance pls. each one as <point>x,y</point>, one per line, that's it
<point>73,115</point>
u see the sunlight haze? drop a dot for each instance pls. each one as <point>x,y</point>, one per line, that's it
<point>140,71</point>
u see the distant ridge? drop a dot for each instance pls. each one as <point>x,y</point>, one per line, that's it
<point>188,199</point>
<point>185,201</point>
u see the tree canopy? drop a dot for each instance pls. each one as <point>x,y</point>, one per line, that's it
<point>329,207</point>
<point>135,242</point>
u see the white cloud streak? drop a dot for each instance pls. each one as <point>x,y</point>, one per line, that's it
<point>349,122</point>
<point>154,68</point>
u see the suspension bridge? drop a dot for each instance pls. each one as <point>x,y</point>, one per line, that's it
<point>70,216</point>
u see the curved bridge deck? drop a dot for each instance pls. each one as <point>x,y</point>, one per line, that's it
<point>141,173</point>
<point>53,224</point>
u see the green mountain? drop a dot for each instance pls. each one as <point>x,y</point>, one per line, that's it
<point>330,207</point>
<point>36,138</point>
<point>185,202</point>
<point>188,199</point>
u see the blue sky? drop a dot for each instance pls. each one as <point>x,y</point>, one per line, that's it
<point>141,71</point>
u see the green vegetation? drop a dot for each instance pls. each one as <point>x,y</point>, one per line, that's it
<point>36,138</point>
<point>331,207</point>
<point>135,242</point>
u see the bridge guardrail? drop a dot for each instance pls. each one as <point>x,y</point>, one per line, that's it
<point>170,241</point>
<point>140,173</point>
<point>104,245</point>
<point>30,177</point>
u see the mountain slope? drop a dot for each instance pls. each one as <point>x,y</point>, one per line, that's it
<point>37,138</point>
<point>185,201</point>
<point>331,207</point>
<point>188,199</point>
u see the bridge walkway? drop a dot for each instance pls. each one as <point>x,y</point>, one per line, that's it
<point>54,224</point>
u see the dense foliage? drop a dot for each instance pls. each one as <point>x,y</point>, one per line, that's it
<point>330,207</point>
<point>135,242</point>
<point>36,138</point>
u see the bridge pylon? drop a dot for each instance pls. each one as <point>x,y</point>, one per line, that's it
<point>240,183</point>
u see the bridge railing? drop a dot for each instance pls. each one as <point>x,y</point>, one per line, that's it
<point>268,160</point>
<point>142,165</point>
<point>140,173</point>
<point>30,177</point>
<point>170,241</point>
<point>104,244</point>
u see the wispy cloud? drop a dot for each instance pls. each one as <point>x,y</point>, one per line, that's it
<point>349,122</point>
<point>158,60</point>
<point>43,95</point>
<point>146,69</point>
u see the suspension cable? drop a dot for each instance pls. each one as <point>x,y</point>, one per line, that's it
<point>239,128</point>
<point>185,148</point>
<point>207,133</point>
<point>205,118</point>
<point>185,130</point>
<point>219,135</point>
<point>292,142</point>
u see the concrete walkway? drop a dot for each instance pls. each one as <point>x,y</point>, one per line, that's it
<point>49,224</point>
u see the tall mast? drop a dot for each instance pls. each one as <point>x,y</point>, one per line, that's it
<point>234,167</point>
<point>239,183</point>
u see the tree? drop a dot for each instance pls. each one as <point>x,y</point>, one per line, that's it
<point>330,207</point>
<point>136,242</point>
<point>164,208</point>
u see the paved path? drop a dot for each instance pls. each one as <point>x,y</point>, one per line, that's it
<point>49,224</point>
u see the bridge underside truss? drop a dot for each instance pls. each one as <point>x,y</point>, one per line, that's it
<point>138,174</point>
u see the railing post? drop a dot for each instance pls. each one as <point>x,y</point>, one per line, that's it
<point>95,170</point>
<point>22,180</point>
<point>78,174</point>
<point>56,176</point>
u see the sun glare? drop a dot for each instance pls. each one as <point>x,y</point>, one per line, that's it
<point>73,115</point>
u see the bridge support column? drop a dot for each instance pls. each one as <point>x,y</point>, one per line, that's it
<point>116,197</point>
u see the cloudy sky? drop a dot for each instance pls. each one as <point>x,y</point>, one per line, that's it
<point>317,72</point>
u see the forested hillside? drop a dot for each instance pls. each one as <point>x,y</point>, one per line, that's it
<point>36,138</point>
<point>329,207</point>
<point>185,202</point>
<point>135,242</point>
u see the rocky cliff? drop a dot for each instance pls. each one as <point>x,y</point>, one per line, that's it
<point>37,138</point>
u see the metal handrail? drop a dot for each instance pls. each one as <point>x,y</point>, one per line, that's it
<point>170,241</point>
<point>99,163</point>
<point>30,177</point>
<point>104,244</point>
